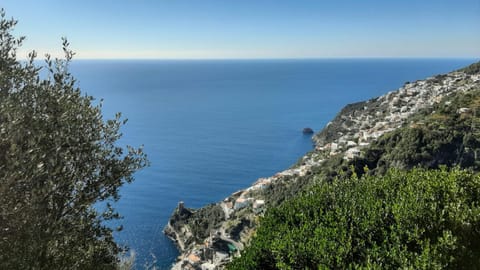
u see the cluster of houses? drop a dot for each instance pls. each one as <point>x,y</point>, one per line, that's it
<point>242,199</point>
<point>246,198</point>
<point>207,256</point>
<point>391,111</point>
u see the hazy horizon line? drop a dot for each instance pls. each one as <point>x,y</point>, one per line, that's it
<point>272,58</point>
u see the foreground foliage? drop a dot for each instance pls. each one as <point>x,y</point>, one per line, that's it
<point>418,219</point>
<point>58,158</point>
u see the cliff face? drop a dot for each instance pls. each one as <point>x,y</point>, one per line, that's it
<point>210,236</point>
<point>188,227</point>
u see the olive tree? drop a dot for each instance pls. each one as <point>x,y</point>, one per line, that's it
<point>59,160</point>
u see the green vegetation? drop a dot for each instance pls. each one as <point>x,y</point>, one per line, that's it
<point>58,158</point>
<point>205,220</point>
<point>420,219</point>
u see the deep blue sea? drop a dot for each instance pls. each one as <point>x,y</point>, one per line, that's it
<point>213,127</point>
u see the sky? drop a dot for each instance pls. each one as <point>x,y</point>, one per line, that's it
<point>245,29</point>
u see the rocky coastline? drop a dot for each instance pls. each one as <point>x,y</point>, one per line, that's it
<point>211,236</point>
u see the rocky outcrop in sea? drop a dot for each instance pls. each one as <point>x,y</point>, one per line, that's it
<point>209,237</point>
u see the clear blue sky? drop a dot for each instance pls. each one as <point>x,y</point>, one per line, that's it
<point>250,28</point>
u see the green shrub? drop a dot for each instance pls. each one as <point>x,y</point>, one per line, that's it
<point>58,158</point>
<point>419,219</point>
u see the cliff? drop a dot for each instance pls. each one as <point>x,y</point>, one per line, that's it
<point>392,130</point>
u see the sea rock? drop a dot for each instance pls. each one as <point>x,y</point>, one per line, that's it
<point>307,130</point>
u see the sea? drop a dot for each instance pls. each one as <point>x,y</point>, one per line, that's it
<point>212,127</point>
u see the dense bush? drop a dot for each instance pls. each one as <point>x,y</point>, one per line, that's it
<point>420,219</point>
<point>205,220</point>
<point>58,158</point>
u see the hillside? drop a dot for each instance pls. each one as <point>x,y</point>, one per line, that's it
<point>426,123</point>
